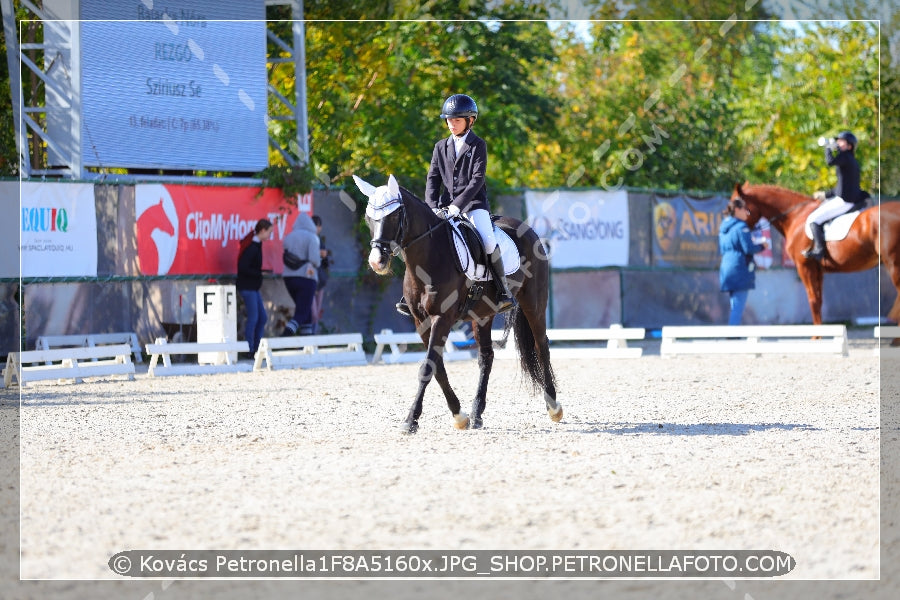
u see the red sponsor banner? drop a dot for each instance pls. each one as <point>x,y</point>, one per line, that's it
<point>196,230</point>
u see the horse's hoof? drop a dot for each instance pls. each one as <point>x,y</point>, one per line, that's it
<point>408,428</point>
<point>557,415</point>
<point>461,421</point>
<point>476,423</point>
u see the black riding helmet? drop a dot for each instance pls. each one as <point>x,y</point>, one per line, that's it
<point>848,137</point>
<point>459,105</point>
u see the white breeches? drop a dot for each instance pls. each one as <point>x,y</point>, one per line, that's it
<point>481,219</point>
<point>831,208</point>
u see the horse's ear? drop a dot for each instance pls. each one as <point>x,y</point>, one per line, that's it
<point>393,186</point>
<point>739,189</point>
<point>366,188</point>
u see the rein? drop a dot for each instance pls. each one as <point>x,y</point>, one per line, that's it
<point>420,236</point>
<point>777,218</point>
<point>385,245</point>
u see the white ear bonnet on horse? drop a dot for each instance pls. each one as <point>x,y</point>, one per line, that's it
<point>383,200</point>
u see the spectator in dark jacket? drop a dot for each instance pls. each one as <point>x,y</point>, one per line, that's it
<point>249,281</point>
<point>736,271</point>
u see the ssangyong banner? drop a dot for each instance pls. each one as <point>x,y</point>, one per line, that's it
<point>175,87</point>
<point>686,231</point>
<point>581,229</point>
<point>59,230</point>
<point>196,230</point>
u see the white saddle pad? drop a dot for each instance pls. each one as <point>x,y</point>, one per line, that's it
<point>476,272</point>
<point>838,228</point>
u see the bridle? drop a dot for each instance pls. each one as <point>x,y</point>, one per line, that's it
<point>393,246</point>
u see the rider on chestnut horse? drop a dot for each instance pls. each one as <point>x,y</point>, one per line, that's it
<point>845,196</point>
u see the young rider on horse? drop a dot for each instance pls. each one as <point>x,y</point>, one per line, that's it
<point>460,163</point>
<point>842,197</point>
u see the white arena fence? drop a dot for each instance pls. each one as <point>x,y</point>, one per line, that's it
<point>74,357</point>
<point>754,339</point>
<point>163,351</point>
<point>615,336</point>
<point>68,364</point>
<point>399,343</point>
<point>91,340</point>
<point>308,351</point>
<point>887,332</point>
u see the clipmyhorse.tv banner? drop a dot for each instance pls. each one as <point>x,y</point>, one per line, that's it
<point>196,230</point>
<point>581,229</point>
<point>59,230</point>
<point>686,231</point>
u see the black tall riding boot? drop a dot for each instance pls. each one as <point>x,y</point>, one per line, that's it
<point>818,248</point>
<point>505,300</point>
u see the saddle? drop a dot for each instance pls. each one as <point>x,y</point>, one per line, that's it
<point>838,227</point>
<point>469,253</point>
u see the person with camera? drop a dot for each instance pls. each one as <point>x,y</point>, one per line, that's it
<point>844,196</point>
<point>301,262</point>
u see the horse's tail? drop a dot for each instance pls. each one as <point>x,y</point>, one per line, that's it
<point>534,363</point>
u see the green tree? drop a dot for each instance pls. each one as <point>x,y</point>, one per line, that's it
<point>824,80</point>
<point>375,89</point>
<point>645,104</point>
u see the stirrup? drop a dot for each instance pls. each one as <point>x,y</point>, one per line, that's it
<point>813,254</point>
<point>403,308</point>
<point>505,303</point>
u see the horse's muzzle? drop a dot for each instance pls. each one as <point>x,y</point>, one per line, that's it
<point>379,260</point>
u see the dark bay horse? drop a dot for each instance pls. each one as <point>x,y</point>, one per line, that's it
<point>871,240</point>
<point>436,293</point>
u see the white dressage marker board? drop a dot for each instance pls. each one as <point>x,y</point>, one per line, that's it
<point>399,341</point>
<point>615,336</point>
<point>754,339</point>
<point>307,351</point>
<point>890,332</point>
<point>68,363</point>
<point>90,340</point>
<point>164,350</point>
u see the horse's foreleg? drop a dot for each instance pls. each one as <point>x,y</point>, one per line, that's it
<point>432,366</point>
<point>811,276</point>
<point>485,364</point>
<point>460,419</point>
<point>892,264</point>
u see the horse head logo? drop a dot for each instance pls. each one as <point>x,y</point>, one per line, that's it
<point>157,229</point>
<point>664,221</point>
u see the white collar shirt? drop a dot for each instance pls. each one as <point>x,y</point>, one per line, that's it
<point>458,142</point>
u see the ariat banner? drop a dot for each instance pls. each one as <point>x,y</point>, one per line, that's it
<point>581,229</point>
<point>686,231</point>
<point>58,224</point>
<point>196,230</point>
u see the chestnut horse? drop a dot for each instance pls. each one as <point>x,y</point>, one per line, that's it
<point>437,295</point>
<point>868,242</point>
